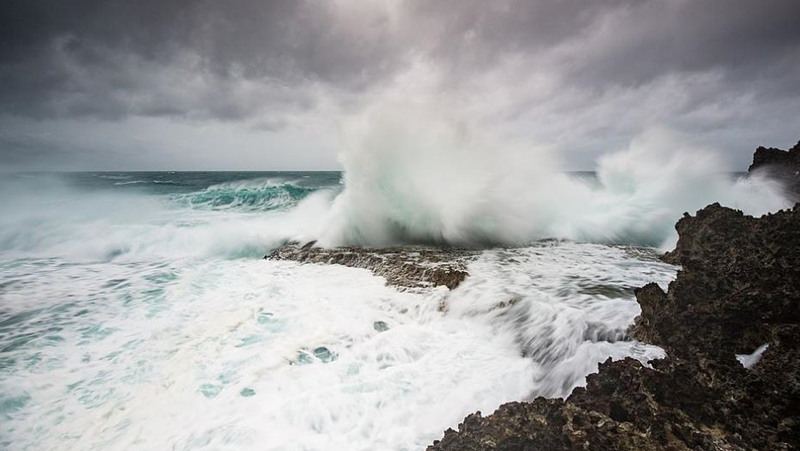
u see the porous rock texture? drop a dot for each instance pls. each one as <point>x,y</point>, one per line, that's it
<point>403,267</point>
<point>739,289</point>
<point>781,164</point>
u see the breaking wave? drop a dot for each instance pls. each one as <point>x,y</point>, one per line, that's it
<point>412,178</point>
<point>408,178</point>
<point>256,194</point>
<point>45,216</point>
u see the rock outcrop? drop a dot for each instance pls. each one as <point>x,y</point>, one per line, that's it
<point>739,289</point>
<point>781,164</point>
<point>404,267</point>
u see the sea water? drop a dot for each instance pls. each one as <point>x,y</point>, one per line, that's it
<point>136,313</point>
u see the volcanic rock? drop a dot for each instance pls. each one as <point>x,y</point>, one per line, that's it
<point>404,267</point>
<point>780,164</point>
<point>739,289</point>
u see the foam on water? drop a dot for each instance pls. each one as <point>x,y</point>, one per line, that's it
<point>251,354</point>
<point>568,305</point>
<point>46,217</point>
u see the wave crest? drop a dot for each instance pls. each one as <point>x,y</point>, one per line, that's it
<point>410,177</point>
<point>254,194</point>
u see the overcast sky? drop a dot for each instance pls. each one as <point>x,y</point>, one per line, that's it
<point>248,84</point>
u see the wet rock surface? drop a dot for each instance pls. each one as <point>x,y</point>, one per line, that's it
<point>781,164</point>
<point>404,267</point>
<point>739,289</point>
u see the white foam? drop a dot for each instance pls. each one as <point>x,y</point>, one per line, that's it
<point>159,354</point>
<point>131,375</point>
<point>415,174</point>
<point>567,304</point>
<point>50,219</point>
<point>748,360</point>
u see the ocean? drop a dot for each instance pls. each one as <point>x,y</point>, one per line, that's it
<point>137,313</point>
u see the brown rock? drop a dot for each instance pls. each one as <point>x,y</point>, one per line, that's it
<point>404,267</point>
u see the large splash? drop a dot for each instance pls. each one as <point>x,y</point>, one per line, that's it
<point>410,177</point>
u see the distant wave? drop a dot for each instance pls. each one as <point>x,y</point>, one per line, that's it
<point>253,194</point>
<point>113,177</point>
<point>49,216</point>
<point>138,182</point>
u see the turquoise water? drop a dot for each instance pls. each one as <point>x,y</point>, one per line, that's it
<point>107,216</point>
<point>185,182</point>
<point>137,313</point>
<point>264,190</point>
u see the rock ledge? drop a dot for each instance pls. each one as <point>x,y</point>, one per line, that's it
<point>404,267</point>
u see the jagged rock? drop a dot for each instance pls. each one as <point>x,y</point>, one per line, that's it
<point>739,288</point>
<point>781,164</point>
<point>741,275</point>
<point>624,407</point>
<point>405,267</point>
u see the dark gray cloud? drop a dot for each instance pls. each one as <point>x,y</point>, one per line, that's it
<point>616,42</point>
<point>114,58</point>
<point>265,62</point>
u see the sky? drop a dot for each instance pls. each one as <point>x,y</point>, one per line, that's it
<point>271,84</point>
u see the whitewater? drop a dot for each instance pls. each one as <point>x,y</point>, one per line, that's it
<point>137,313</point>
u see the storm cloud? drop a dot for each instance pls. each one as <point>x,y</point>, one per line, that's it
<point>583,77</point>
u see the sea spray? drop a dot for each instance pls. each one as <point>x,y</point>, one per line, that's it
<point>644,189</point>
<point>413,177</point>
<point>419,179</point>
<point>409,178</point>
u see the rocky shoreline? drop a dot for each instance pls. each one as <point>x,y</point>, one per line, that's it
<point>739,289</point>
<point>730,324</point>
